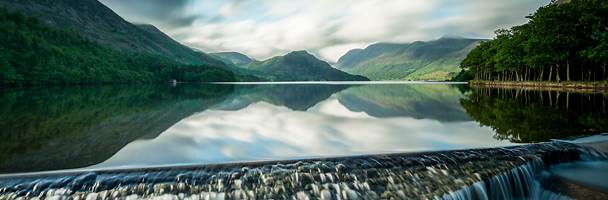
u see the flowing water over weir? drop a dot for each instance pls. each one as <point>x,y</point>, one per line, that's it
<point>499,173</point>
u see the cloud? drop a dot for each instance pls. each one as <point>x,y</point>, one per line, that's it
<point>263,29</point>
<point>159,12</point>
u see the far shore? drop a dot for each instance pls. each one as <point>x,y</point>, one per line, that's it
<point>592,87</point>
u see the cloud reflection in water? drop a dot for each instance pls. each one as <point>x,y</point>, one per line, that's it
<point>262,131</point>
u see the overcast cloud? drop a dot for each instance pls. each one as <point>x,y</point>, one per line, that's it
<point>327,28</point>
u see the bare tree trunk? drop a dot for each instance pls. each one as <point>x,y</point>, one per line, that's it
<point>550,98</point>
<point>550,73</point>
<point>568,70</point>
<point>541,97</point>
<point>542,71</point>
<point>567,100</point>
<point>557,99</point>
<point>557,78</point>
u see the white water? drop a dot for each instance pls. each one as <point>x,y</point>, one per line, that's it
<point>519,183</point>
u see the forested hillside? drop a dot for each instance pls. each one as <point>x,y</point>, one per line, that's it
<point>563,41</point>
<point>100,24</point>
<point>32,52</point>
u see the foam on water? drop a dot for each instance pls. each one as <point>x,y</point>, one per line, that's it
<point>500,173</point>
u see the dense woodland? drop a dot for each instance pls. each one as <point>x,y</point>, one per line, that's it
<point>561,42</point>
<point>33,53</point>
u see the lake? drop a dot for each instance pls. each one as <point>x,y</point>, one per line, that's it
<point>92,127</point>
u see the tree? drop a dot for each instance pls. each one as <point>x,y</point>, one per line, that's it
<point>567,40</point>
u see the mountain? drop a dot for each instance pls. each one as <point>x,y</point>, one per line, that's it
<point>300,66</point>
<point>97,22</point>
<point>32,52</point>
<point>432,60</point>
<point>233,58</point>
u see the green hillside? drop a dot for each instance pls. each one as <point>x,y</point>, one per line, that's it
<point>32,53</point>
<point>100,24</point>
<point>433,60</point>
<point>300,66</point>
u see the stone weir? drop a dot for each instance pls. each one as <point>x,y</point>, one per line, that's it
<point>494,173</point>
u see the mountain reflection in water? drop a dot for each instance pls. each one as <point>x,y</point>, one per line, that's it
<point>269,122</point>
<point>120,126</point>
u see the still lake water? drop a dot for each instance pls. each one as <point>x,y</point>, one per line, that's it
<point>157,125</point>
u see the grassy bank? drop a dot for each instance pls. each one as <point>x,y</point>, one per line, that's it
<point>597,86</point>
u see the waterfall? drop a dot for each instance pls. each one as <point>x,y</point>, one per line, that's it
<point>495,173</point>
<point>518,183</point>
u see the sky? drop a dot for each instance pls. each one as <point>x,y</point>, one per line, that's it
<point>327,28</point>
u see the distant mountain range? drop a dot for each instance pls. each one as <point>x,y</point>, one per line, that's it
<point>432,60</point>
<point>233,58</point>
<point>299,66</point>
<point>100,24</point>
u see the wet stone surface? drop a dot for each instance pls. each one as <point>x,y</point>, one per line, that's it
<point>500,172</point>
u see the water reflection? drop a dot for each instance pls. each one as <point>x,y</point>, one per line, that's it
<point>59,128</point>
<point>117,126</point>
<point>359,119</point>
<point>526,116</point>
<point>296,97</point>
<point>438,102</point>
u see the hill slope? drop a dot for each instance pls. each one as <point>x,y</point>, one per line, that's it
<point>233,58</point>
<point>432,60</point>
<point>34,53</point>
<point>97,22</point>
<point>300,66</point>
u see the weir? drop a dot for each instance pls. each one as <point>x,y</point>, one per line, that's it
<point>495,173</point>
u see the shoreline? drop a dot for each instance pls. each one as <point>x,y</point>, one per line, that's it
<point>588,87</point>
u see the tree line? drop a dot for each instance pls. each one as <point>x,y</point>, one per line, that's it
<point>34,53</point>
<point>563,41</point>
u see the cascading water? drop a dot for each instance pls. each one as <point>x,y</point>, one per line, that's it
<point>500,173</point>
<point>518,183</point>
